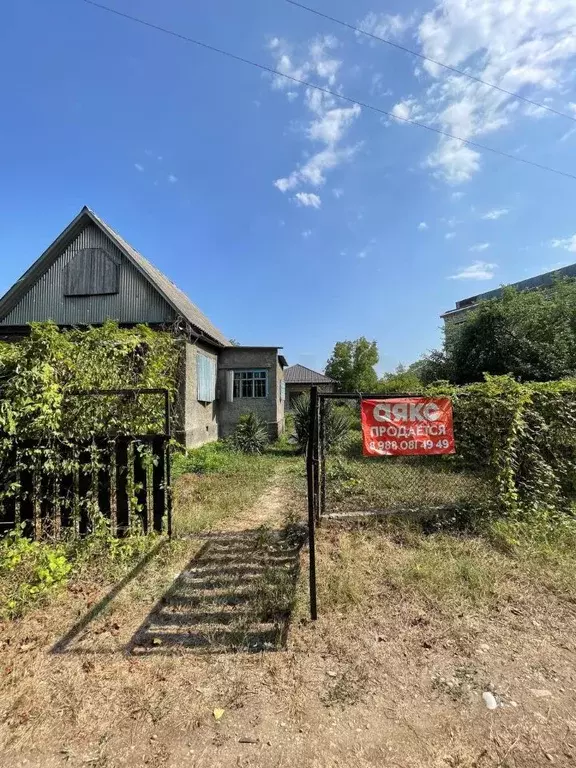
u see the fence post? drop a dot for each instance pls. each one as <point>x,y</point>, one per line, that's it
<point>311,477</point>
<point>168,417</point>
<point>322,461</point>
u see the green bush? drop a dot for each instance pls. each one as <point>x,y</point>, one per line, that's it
<point>209,458</point>
<point>337,423</point>
<point>29,570</point>
<point>250,435</point>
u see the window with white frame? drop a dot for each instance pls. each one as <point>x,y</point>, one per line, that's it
<point>250,384</point>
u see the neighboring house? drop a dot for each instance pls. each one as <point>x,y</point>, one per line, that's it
<point>90,274</point>
<point>300,379</point>
<point>457,315</point>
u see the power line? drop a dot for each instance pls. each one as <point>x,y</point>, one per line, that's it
<point>361,31</point>
<point>335,94</point>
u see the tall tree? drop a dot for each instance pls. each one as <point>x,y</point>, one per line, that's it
<point>352,365</point>
<point>403,380</point>
<point>529,334</point>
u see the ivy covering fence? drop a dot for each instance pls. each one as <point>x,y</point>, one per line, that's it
<point>523,437</point>
<point>59,450</point>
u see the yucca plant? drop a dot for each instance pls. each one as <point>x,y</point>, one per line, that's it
<point>250,434</point>
<point>336,423</point>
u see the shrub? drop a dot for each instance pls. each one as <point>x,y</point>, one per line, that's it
<point>250,435</point>
<point>29,570</point>
<point>336,423</point>
<point>213,457</point>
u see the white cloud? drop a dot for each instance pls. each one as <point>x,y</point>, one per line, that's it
<point>567,243</point>
<point>403,109</point>
<point>362,254</point>
<point>457,195</point>
<point>479,247</point>
<point>390,26</point>
<point>314,170</point>
<point>337,192</point>
<point>329,122</point>
<point>331,126</point>
<point>172,179</point>
<point>308,199</point>
<point>478,270</point>
<point>450,235</point>
<point>139,167</point>
<point>526,46</point>
<point>496,213</point>
<point>291,95</point>
<point>422,226</point>
<point>453,161</point>
<point>306,233</point>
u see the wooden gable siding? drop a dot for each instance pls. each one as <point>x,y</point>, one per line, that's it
<point>136,301</point>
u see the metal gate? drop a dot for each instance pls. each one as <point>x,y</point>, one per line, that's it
<point>345,484</point>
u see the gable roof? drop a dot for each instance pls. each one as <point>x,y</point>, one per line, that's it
<point>176,298</point>
<point>299,374</point>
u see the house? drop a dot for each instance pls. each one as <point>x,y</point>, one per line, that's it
<point>457,315</point>
<point>90,274</point>
<point>300,379</point>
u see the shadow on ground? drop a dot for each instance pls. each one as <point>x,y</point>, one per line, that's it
<point>235,595</point>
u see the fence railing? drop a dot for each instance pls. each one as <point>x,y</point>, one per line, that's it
<point>51,487</point>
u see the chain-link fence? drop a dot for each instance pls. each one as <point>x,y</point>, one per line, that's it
<point>349,484</point>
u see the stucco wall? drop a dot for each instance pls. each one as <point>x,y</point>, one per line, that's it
<point>270,409</point>
<point>198,421</point>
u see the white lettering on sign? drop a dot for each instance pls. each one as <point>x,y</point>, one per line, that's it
<point>406,412</point>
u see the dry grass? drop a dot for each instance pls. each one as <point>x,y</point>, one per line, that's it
<point>413,628</point>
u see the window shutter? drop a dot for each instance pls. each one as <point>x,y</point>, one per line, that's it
<point>229,386</point>
<point>282,391</point>
<point>206,376</point>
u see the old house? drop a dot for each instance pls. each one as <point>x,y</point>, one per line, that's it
<point>300,379</point>
<point>90,274</point>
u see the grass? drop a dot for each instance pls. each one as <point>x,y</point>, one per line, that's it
<point>448,573</point>
<point>214,483</point>
<point>357,483</point>
<point>211,484</point>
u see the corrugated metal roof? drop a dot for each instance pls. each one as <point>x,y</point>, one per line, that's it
<point>171,294</point>
<point>299,374</point>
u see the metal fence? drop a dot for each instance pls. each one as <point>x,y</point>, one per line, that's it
<point>347,484</point>
<point>344,484</point>
<point>54,486</point>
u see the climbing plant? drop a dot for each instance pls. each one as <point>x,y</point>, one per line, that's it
<point>43,416</point>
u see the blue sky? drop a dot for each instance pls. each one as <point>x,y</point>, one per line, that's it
<point>292,218</point>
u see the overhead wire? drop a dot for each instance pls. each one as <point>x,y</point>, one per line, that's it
<point>387,41</point>
<point>328,91</point>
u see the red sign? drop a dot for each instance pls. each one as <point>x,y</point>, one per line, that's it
<point>407,426</point>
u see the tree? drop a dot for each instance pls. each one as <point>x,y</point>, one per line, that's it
<point>402,380</point>
<point>352,365</point>
<point>528,334</point>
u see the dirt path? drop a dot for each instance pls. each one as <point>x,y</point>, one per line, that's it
<point>182,668</point>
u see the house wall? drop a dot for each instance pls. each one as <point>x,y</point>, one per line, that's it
<point>270,408</point>
<point>136,301</point>
<point>299,389</point>
<point>198,422</point>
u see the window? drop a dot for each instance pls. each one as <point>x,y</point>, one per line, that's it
<point>206,376</point>
<point>250,384</point>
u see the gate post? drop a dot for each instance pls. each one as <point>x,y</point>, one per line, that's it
<point>311,474</point>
